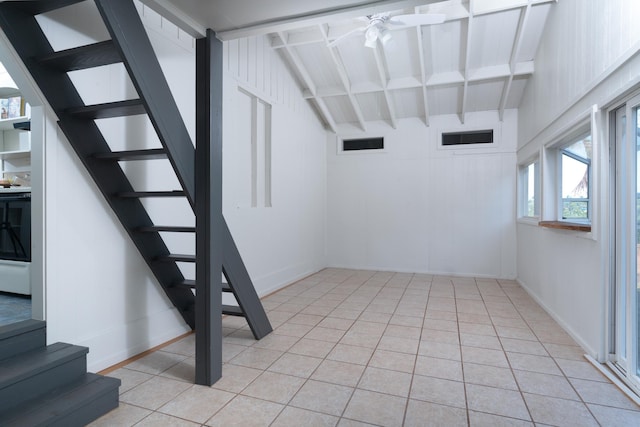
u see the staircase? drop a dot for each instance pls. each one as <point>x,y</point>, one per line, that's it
<point>197,299</point>
<point>48,385</point>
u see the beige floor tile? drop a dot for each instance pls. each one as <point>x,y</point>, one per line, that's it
<point>258,358</point>
<point>154,393</point>
<point>571,352</point>
<point>507,403</point>
<point>129,378</point>
<point>346,313</point>
<point>402,345</point>
<point>421,413</point>
<point>369,316</point>
<point>322,397</point>
<point>274,387</point>
<point>440,350</point>
<point>615,417</point>
<point>229,350</point>
<point>306,319</point>
<point>484,356</point>
<point>162,420</point>
<point>482,319</point>
<point>560,412</point>
<point>318,310</point>
<point>307,347</point>
<point>325,334</point>
<point>523,346</point>
<point>294,330</point>
<point>342,373</point>
<point>479,419</point>
<point>336,323</point>
<point>275,341</point>
<point>438,368</point>
<point>482,341</point>
<point>123,415</point>
<point>186,346</point>
<point>477,329</point>
<point>533,363</point>
<point>182,371</point>
<point>395,361</point>
<point>296,365</point>
<point>246,411</point>
<point>580,369</point>
<point>197,404</point>
<point>437,390</point>
<point>509,321</point>
<point>360,339</point>
<point>403,332</point>
<point>295,417</point>
<point>440,315</point>
<point>368,328</point>
<point>489,376</point>
<point>545,384</point>
<point>603,394</point>
<point>516,333</point>
<point>440,325</point>
<point>235,378</point>
<point>385,381</point>
<point>351,354</point>
<point>156,362</point>
<point>405,320</point>
<point>376,408</point>
<point>446,337</point>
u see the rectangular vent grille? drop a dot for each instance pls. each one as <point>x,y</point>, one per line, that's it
<point>468,138</point>
<point>362,144</point>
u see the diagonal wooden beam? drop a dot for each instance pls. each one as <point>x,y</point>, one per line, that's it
<point>467,60</point>
<point>506,90</point>
<point>423,74</point>
<point>308,81</point>
<point>381,65</point>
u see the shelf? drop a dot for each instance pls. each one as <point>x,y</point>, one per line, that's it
<point>563,225</point>
<point>7,155</point>
<point>7,124</point>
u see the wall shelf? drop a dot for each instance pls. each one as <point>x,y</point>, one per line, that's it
<point>7,124</point>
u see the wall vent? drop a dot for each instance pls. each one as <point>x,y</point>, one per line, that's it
<point>467,138</point>
<point>362,144</point>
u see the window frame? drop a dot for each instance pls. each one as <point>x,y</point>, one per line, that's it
<point>562,151</point>
<point>523,175</point>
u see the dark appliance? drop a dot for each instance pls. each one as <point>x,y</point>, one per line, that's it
<point>15,226</point>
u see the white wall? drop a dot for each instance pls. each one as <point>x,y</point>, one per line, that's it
<point>588,55</point>
<point>99,292</point>
<point>418,207</point>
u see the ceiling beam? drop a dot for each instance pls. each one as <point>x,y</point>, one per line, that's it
<point>467,60</point>
<point>381,65</point>
<point>517,44</point>
<point>308,81</point>
<point>423,73</point>
<point>344,78</point>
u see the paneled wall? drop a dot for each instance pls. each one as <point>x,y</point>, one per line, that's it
<point>420,207</point>
<point>588,56</point>
<point>99,292</point>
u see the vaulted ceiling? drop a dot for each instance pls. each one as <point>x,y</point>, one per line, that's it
<point>478,59</point>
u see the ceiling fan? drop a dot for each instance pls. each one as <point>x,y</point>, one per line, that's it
<point>380,25</point>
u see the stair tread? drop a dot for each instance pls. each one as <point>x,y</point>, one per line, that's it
<point>38,7</point>
<point>18,328</point>
<point>171,228</point>
<point>61,401</point>
<point>192,284</point>
<point>128,107</point>
<point>149,154</point>
<point>232,310</point>
<point>178,257</point>
<point>137,194</point>
<point>24,365</point>
<point>83,57</point>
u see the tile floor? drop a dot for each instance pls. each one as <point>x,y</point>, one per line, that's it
<point>361,348</point>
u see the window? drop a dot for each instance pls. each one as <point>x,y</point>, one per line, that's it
<point>575,180</point>
<point>530,189</point>
<point>362,144</point>
<point>468,138</point>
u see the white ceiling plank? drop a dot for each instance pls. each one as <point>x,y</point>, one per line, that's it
<point>522,24</point>
<point>453,9</point>
<point>524,68</point>
<point>383,72</point>
<point>308,81</point>
<point>489,72</point>
<point>483,7</point>
<point>404,83</point>
<point>342,72</point>
<point>446,79</point>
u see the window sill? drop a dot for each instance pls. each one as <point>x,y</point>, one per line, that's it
<point>563,225</point>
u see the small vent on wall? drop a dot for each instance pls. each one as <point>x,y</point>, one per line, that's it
<point>467,138</point>
<point>362,144</point>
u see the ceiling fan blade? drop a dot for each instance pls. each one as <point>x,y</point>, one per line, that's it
<point>346,36</point>
<point>417,19</point>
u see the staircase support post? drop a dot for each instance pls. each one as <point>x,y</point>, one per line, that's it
<point>208,208</point>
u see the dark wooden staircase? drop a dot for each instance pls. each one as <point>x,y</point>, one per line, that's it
<point>198,299</point>
<point>44,385</point>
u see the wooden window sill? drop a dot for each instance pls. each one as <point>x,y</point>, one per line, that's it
<point>563,225</point>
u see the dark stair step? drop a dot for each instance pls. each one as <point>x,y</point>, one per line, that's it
<point>232,310</point>
<point>177,258</point>
<point>75,404</point>
<point>29,375</point>
<point>150,154</point>
<point>168,228</point>
<point>191,284</point>
<point>22,337</point>
<point>43,6</point>
<point>141,194</point>
<point>129,107</point>
<point>83,57</point>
